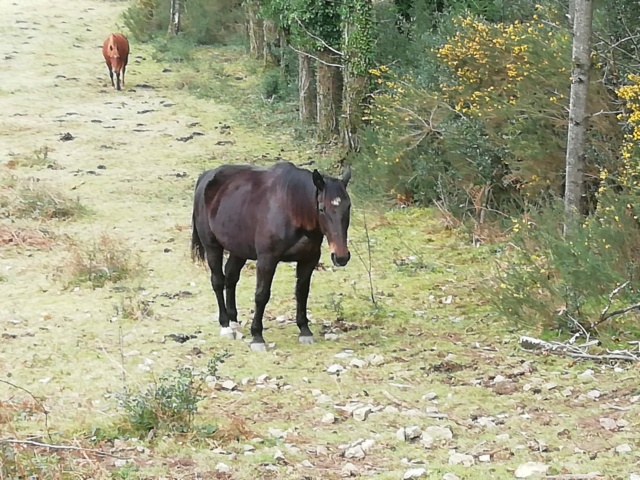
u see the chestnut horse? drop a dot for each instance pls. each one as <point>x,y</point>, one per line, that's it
<point>115,50</point>
<point>272,215</point>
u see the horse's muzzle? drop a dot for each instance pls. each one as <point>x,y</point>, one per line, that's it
<point>340,261</point>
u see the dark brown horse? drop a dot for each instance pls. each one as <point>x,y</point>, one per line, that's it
<point>272,215</point>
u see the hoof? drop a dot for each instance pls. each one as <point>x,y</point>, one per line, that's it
<point>234,325</point>
<point>228,332</point>
<point>305,340</point>
<point>258,347</point>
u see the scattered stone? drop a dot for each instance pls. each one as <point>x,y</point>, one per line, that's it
<point>249,448</point>
<point>450,476</point>
<point>503,437</point>
<point>551,386</point>
<point>414,473</point>
<point>608,424</point>
<point>634,476</point>
<point>461,459</point>
<point>430,396</point>
<point>359,448</point>
<point>567,392</point>
<point>375,359</point>
<point>412,412</point>
<point>484,458</point>
<point>624,448</point>
<point>229,385</point>
<point>223,468</point>
<point>322,398</point>
<point>66,137</point>
<point>321,450</point>
<point>390,409</point>
<point>328,418</point>
<point>587,375</point>
<point>530,469</point>
<point>335,369</point>
<point>358,363</point>
<point>362,413</point>
<point>262,378</point>
<point>349,470</point>
<point>278,456</point>
<point>306,464</point>
<point>409,433</point>
<point>486,422</point>
<point>331,337</point>
<point>434,434</point>
<point>344,354</point>
<point>499,378</point>
<point>594,394</point>
<point>277,433</point>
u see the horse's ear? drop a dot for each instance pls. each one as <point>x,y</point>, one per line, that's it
<point>346,176</point>
<point>318,181</point>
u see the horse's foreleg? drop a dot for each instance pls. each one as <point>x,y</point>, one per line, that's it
<point>231,277</point>
<point>214,259</point>
<point>111,74</point>
<point>266,269</point>
<point>117,80</point>
<point>304,270</point>
<point>124,68</point>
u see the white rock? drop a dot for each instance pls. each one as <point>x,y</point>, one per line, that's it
<point>262,378</point>
<point>634,476</point>
<point>450,476</point>
<point>530,469</point>
<point>328,418</point>
<point>249,448</point>
<point>587,375</point>
<point>229,385</point>
<point>461,459</point>
<point>594,394</point>
<point>435,433</point>
<point>321,450</point>
<point>608,423</point>
<point>390,409</point>
<point>499,378</point>
<point>277,433</point>
<point>567,392</point>
<point>354,452</point>
<point>412,432</point>
<point>551,386</point>
<point>484,458</point>
<point>375,359</point>
<point>223,468</point>
<point>322,398</point>
<point>349,470</point>
<point>335,369</point>
<point>306,464</point>
<point>624,448</point>
<point>344,354</point>
<point>358,363</point>
<point>430,396</point>
<point>330,337</point>
<point>503,437</point>
<point>362,413</point>
<point>278,456</point>
<point>414,473</point>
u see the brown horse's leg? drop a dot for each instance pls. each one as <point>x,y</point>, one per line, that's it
<point>231,277</point>
<point>111,74</point>
<point>214,259</point>
<point>304,270</point>
<point>124,68</point>
<point>266,269</point>
<point>117,80</point>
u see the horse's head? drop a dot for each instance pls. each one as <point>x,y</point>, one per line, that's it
<point>334,212</point>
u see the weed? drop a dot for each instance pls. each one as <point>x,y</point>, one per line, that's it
<point>37,158</point>
<point>274,85</point>
<point>105,260</point>
<point>171,402</point>
<point>32,199</point>
<point>135,308</point>
<point>12,235</point>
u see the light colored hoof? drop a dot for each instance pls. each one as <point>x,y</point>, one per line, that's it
<point>228,332</point>
<point>258,347</point>
<point>234,325</point>
<point>306,340</point>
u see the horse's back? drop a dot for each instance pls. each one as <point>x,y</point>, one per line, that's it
<point>116,46</point>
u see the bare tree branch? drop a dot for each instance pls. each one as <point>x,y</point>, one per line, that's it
<point>324,44</point>
<point>33,443</point>
<point>315,58</point>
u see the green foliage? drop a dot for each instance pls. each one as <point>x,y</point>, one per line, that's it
<point>202,22</point>
<point>556,282</point>
<point>274,85</point>
<point>170,403</point>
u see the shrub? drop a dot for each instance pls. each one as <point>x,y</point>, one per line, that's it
<point>170,403</point>
<point>99,262</point>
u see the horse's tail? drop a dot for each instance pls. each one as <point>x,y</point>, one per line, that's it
<point>197,248</point>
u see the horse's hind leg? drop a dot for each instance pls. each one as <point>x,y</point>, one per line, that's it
<point>266,269</point>
<point>231,277</point>
<point>304,270</point>
<point>117,80</point>
<point>124,68</point>
<point>111,74</point>
<point>214,259</point>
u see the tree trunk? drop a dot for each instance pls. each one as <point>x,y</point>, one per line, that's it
<point>269,35</point>
<point>306,89</point>
<point>357,48</point>
<point>174,20</point>
<point>578,111</point>
<point>328,85</point>
<point>256,32</point>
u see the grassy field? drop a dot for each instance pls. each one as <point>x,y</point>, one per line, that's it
<point>96,283</point>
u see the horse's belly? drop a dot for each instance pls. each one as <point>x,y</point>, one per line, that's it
<point>235,232</point>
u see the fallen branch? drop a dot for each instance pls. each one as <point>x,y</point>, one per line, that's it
<point>33,443</point>
<point>575,351</point>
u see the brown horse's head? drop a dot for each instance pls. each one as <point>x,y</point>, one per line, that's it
<point>334,212</point>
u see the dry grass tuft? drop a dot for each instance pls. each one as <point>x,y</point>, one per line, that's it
<point>31,198</point>
<point>13,236</point>
<point>37,158</point>
<point>235,430</point>
<point>107,260</point>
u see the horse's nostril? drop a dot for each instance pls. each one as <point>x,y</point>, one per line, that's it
<point>340,261</point>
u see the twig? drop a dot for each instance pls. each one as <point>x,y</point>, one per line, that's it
<point>38,402</point>
<point>124,376</point>
<point>575,351</point>
<point>315,58</point>
<point>324,44</point>
<point>604,316</point>
<point>60,447</point>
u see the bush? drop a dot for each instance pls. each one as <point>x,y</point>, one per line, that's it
<point>202,22</point>
<point>170,403</point>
